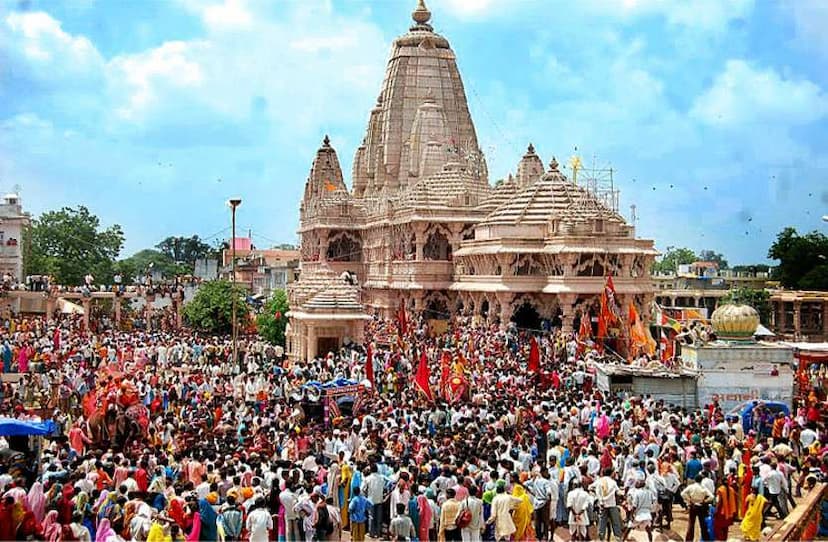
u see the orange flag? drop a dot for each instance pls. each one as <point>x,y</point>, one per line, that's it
<point>329,186</point>
<point>534,356</point>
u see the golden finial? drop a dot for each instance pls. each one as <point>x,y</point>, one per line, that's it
<point>421,15</point>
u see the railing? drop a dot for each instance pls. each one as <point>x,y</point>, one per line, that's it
<point>799,525</point>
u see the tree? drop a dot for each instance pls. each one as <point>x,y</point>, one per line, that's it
<point>139,263</point>
<point>211,309</point>
<point>68,244</point>
<point>710,256</point>
<point>286,246</point>
<point>753,268</point>
<point>803,259</point>
<point>673,258</point>
<point>185,249</point>
<point>758,299</point>
<point>272,321</point>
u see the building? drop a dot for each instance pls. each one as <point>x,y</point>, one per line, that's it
<point>262,271</point>
<point>421,227</point>
<point>703,286</point>
<point>12,222</point>
<point>800,315</point>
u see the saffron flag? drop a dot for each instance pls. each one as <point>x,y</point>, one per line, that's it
<point>369,366</point>
<point>402,320</point>
<point>534,356</point>
<point>638,337</point>
<point>421,379</point>
<point>329,186</point>
<point>585,329</point>
<point>445,371</point>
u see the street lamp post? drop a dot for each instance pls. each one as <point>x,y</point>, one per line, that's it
<point>233,202</point>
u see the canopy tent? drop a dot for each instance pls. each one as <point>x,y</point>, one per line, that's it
<point>11,427</point>
<point>762,331</point>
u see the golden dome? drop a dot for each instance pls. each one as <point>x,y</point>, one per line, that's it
<point>735,321</point>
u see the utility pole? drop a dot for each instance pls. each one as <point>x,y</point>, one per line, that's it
<point>234,203</point>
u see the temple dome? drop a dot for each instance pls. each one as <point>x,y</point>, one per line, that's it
<point>735,321</point>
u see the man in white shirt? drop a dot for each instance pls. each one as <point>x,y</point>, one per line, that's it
<point>259,522</point>
<point>642,502</point>
<point>605,490</point>
<point>372,489</point>
<point>577,503</point>
<point>775,491</point>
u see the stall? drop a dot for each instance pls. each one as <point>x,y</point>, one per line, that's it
<point>336,400</point>
<point>18,433</point>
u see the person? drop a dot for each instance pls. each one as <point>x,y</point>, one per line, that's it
<point>522,514</point>
<point>473,531</point>
<point>259,522</point>
<point>540,488</point>
<point>751,525</point>
<point>425,516</point>
<point>606,493</point>
<point>501,517</point>
<point>698,499</point>
<point>725,509</point>
<point>401,528</point>
<point>577,503</point>
<point>231,519</point>
<point>358,510</point>
<point>373,488</point>
<point>324,524</point>
<point>775,491</point>
<point>448,530</point>
<point>642,502</point>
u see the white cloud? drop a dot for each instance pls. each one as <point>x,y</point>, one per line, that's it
<point>701,14</point>
<point>230,14</point>
<point>465,8</point>
<point>38,41</point>
<point>745,95</point>
<point>810,18</point>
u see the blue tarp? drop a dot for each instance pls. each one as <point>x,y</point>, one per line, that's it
<point>338,383</point>
<point>10,427</point>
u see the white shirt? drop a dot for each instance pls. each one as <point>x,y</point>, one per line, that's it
<point>605,489</point>
<point>258,523</point>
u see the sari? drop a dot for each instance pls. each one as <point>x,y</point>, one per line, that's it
<point>209,530</point>
<point>156,534</point>
<point>424,509</point>
<point>37,501</point>
<point>752,523</point>
<point>195,531</point>
<point>51,528</point>
<point>105,532</point>
<point>522,515</point>
<point>414,513</point>
<point>176,512</point>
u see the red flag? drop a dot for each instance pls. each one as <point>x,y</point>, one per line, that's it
<point>421,379</point>
<point>402,320</point>
<point>585,330</point>
<point>369,366</point>
<point>534,356</point>
<point>445,371</point>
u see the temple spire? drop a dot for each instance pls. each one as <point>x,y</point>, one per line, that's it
<point>421,16</point>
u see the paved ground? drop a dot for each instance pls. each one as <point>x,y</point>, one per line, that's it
<point>679,528</point>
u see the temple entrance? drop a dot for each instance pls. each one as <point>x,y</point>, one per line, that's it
<point>325,345</point>
<point>436,309</point>
<point>526,317</point>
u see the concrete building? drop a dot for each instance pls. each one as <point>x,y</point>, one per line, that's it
<point>703,286</point>
<point>262,271</point>
<point>12,222</point>
<point>421,227</point>
<point>800,315</point>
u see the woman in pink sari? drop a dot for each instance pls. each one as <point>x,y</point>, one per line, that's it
<point>23,359</point>
<point>37,501</point>
<point>195,531</point>
<point>51,528</point>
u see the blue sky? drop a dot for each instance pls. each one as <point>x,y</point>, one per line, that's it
<point>713,113</point>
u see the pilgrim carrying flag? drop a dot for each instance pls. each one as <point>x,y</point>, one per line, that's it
<point>421,379</point>
<point>369,366</point>
<point>402,320</point>
<point>534,356</point>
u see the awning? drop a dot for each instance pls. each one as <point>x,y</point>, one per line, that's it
<point>11,427</point>
<point>762,331</point>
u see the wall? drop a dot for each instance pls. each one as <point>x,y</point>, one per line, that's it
<point>735,373</point>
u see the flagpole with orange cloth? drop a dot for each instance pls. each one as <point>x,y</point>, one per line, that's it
<point>534,356</point>
<point>421,379</point>
<point>369,367</point>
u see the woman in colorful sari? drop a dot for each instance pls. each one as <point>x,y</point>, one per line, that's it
<point>209,531</point>
<point>37,501</point>
<point>195,529</point>
<point>424,509</point>
<point>522,515</point>
<point>105,532</point>
<point>488,497</point>
<point>177,513</point>
<point>414,513</point>
<point>752,522</point>
<point>51,528</point>
<point>725,510</point>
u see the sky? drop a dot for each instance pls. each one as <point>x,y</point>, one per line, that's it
<point>712,114</point>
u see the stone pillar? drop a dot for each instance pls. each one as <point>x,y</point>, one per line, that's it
<point>780,316</point>
<point>825,319</point>
<point>87,304</point>
<point>311,353</point>
<point>116,305</point>
<point>672,301</point>
<point>797,320</point>
<point>565,302</point>
<point>504,298</point>
<point>51,301</point>
<point>419,242</point>
<point>697,299</point>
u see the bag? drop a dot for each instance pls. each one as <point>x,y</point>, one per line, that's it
<point>464,517</point>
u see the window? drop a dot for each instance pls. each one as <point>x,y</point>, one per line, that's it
<point>599,226</point>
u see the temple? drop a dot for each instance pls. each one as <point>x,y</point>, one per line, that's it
<point>422,228</point>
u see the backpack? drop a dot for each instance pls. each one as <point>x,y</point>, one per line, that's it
<point>464,517</point>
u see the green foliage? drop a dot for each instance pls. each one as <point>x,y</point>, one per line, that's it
<point>674,257</point>
<point>68,244</point>
<point>286,246</point>
<point>270,327</point>
<point>211,309</point>
<point>185,250</point>
<point>139,263</point>
<point>758,299</point>
<point>711,256</point>
<point>803,259</point>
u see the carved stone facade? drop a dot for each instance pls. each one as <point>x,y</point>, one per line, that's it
<point>423,228</point>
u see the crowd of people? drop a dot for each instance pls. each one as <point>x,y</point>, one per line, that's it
<point>164,436</point>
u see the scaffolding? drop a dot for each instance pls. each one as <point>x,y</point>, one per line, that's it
<point>595,183</point>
